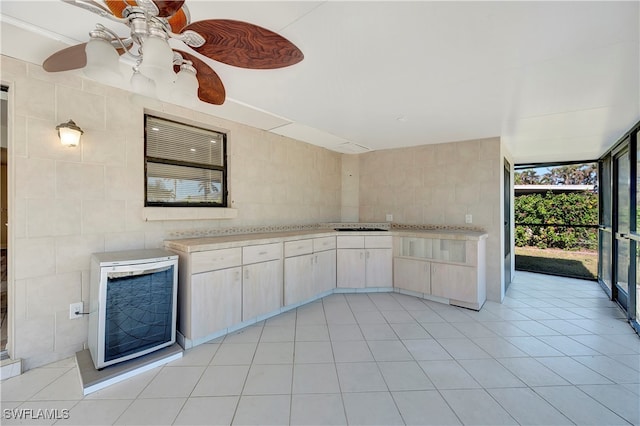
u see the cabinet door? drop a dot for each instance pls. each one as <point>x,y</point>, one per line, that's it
<point>261,288</point>
<point>216,301</point>
<point>298,278</point>
<point>379,267</point>
<point>350,264</point>
<point>454,282</point>
<point>324,271</point>
<point>413,275</point>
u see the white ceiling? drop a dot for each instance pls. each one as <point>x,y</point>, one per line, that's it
<point>556,81</point>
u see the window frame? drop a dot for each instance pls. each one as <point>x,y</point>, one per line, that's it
<point>157,160</point>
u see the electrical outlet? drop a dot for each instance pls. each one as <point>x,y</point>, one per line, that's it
<point>389,218</point>
<point>75,310</point>
<point>468,218</point>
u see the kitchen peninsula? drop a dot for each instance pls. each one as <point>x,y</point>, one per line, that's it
<point>228,282</point>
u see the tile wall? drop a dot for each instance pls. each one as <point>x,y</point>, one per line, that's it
<point>438,185</point>
<point>71,202</point>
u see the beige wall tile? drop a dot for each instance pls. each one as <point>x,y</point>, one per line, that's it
<point>86,109</point>
<point>73,253</point>
<point>34,257</point>
<point>103,216</point>
<point>73,79</point>
<point>19,220</point>
<point>37,99</point>
<point>70,334</point>
<point>12,68</point>
<point>124,241</point>
<point>46,295</point>
<point>34,177</point>
<point>50,217</point>
<point>438,185</point>
<point>34,337</point>
<point>79,181</point>
<point>19,132</point>
<point>124,183</point>
<point>104,148</point>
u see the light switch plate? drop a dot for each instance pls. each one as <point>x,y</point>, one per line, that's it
<point>468,218</point>
<point>389,218</point>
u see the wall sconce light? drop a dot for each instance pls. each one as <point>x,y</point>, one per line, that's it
<point>69,133</point>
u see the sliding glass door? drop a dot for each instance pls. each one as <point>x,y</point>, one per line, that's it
<point>634,289</point>
<point>622,249</point>
<point>619,230</point>
<point>605,228</point>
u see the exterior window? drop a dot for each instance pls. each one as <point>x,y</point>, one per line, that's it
<point>185,166</point>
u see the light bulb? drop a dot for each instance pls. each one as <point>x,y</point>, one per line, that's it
<point>185,89</point>
<point>142,84</point>
<point>102,62</point>
<point>157,61</point>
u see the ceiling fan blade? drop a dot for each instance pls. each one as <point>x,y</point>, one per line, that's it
<point>67,59</point>
<point>178,21</point>
<point>71,58</point>
<point>210,90</point>
<point>117,6</point>
<point>168,7</point>
<point>244,45</point>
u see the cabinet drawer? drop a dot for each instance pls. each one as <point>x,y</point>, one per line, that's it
<point>296,248</point>
<point>352,241</point>
<point>261,253</point>
<point>203,261</point>
<point>378,241</point>
<point>325,243</point>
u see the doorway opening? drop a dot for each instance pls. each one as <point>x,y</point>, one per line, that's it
<point>4,221</point>
<point>556,219</point>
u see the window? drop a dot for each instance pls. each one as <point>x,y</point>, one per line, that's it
<point>185,166</point>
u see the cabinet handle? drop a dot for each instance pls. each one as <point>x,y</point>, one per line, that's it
<point>262,253</point>
<point>316,259</point>
<point>361,255</point>
<point>246,274</point>
<point>368,254</point>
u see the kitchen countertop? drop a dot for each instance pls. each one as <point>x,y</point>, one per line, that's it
<point>190,245</point>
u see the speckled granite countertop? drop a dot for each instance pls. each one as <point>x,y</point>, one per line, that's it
<point>190,245</point>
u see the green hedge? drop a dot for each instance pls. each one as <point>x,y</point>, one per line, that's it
<point>560,212</point>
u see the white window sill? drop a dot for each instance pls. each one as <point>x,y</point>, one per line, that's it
<point>187,213</point>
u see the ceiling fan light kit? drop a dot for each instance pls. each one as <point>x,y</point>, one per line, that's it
<point>102,59</point>
<point>160,71</point>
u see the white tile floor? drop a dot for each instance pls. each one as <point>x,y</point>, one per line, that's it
<point>555,352</point>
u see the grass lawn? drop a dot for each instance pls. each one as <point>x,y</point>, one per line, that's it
<point>578,264</point>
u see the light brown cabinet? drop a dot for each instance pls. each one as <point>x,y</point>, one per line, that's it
<point>216,302</point>
<point>225,284</point>
<point>309,269</point>
<point>451,269</point>
<point>412,275</point>
<point>209,292</point>
<point>364,261</point>
<point>261,288</point>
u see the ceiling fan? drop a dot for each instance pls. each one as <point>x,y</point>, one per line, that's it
<point>152,23</point>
